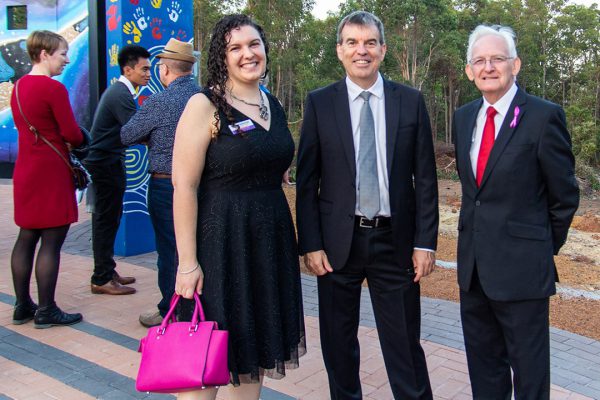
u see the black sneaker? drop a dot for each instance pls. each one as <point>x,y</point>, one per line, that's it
<point>50,316</point>
<point>24,312</point>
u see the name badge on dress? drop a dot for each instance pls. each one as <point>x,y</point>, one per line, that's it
<point>242,126</point>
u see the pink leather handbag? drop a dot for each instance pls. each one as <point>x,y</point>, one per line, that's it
<point>183,356</point>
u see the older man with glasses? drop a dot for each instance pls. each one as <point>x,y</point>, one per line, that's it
<point>155,124</point>
<point>519,195</point>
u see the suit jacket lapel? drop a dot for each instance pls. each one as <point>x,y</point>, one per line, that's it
<point>344,123</point>
<point>392,119</point>
<point>505,134</point>
<point>467,140</point>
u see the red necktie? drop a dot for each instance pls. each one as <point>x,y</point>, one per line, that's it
<point>487,142</point>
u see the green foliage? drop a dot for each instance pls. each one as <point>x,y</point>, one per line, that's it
<point>558,43</point>
<point>206,15</point>
<point>585,135</point>
<point>447,174</point>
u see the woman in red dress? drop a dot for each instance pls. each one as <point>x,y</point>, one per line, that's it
<point>44,193</point>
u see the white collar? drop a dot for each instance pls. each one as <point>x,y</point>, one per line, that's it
<point>502,105</point>
<point>354,90</point>
<point>127,83</point>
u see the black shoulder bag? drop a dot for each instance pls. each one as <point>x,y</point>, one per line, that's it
<point>81,177</point>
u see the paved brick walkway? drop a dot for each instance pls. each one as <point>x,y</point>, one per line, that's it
<point>97,358</point>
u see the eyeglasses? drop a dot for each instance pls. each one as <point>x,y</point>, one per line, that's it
<point>494,61</point>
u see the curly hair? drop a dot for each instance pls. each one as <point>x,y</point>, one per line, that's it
<point>216,68</point>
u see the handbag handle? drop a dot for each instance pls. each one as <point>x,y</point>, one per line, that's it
<point>36,133</point>
<point>197,317</point>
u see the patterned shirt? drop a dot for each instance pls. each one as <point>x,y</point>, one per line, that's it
<point>156,121</point>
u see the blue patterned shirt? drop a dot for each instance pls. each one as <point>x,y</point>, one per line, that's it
<point>155,122</point>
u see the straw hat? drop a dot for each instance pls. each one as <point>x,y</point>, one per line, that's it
<point>178,50</point>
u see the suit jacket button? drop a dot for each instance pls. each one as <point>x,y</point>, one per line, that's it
<point>478,203</point>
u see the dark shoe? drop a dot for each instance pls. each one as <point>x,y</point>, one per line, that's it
<point>24,312</point>
<point>47,317</point>
<point>112,287</point>
<point>123,280</point>
<point>150,319</point>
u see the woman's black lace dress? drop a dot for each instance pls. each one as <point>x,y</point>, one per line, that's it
<point>247,248</point>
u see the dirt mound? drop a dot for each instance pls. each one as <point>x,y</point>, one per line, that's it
<point>454,202</point>
<point>444,159</point>
<point>588,222</point>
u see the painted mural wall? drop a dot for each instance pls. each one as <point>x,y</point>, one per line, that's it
<point>150,24</point>
<point>66,17</point>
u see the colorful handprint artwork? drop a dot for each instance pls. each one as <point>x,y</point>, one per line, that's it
<point>155,25</point>
<point>142,21</point>
<point>112,21</point>
<point>129,28</point>
<point>113,54</point>
<point>174,11</point>
<point>181,35</point>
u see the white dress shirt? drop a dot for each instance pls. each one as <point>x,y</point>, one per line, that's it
<point>501,107</point>
<point>128,84</point>
<point>377,104</point>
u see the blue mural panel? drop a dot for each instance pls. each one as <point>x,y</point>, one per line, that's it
<point>150,24</point>
<point>66,17</point>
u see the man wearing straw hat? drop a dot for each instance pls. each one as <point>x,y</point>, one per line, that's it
<point>155,124</point>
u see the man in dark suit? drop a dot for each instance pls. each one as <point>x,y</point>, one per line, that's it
<point>106,164</point>
<point>519,195</point>
<point>367,208</point>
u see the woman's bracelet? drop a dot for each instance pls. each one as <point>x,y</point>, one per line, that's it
<point>189,271</point>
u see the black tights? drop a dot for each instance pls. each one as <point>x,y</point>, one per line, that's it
<point>46,265</point>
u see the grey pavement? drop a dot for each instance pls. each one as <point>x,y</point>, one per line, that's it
<point>575,359</point>
<point>108,371</point>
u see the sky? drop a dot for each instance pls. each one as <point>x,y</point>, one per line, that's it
<point>323,6</point>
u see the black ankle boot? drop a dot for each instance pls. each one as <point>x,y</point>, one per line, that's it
<point>46,317</point>
<point>24,312</point>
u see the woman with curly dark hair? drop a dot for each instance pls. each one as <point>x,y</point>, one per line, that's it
<point>235,236</point>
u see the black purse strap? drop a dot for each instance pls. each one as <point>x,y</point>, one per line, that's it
<point>36,133</point>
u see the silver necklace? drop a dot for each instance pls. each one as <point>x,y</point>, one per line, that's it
<point>262,108</point>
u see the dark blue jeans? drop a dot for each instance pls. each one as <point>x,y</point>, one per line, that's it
<point>160,207</point>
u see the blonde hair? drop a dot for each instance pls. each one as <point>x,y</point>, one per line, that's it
<point>43,40</point>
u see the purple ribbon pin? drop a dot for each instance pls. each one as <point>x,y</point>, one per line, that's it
<point>513,123</point>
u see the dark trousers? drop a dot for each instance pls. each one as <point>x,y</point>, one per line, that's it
<point>500,335</point>
<point>160,207</point>
<point>109,186</point>
<point>396,304</point>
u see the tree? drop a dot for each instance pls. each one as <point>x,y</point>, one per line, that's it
<point>558,44</point>
<point>206,15</point>
<point>283,21</point>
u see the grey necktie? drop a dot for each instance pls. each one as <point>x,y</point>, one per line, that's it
<point>368,189</point>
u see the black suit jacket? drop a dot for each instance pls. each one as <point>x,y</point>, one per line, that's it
<point>511,226</point>
<point>326,178</point>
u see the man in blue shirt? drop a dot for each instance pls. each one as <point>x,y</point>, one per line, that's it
<point>154,124</point>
